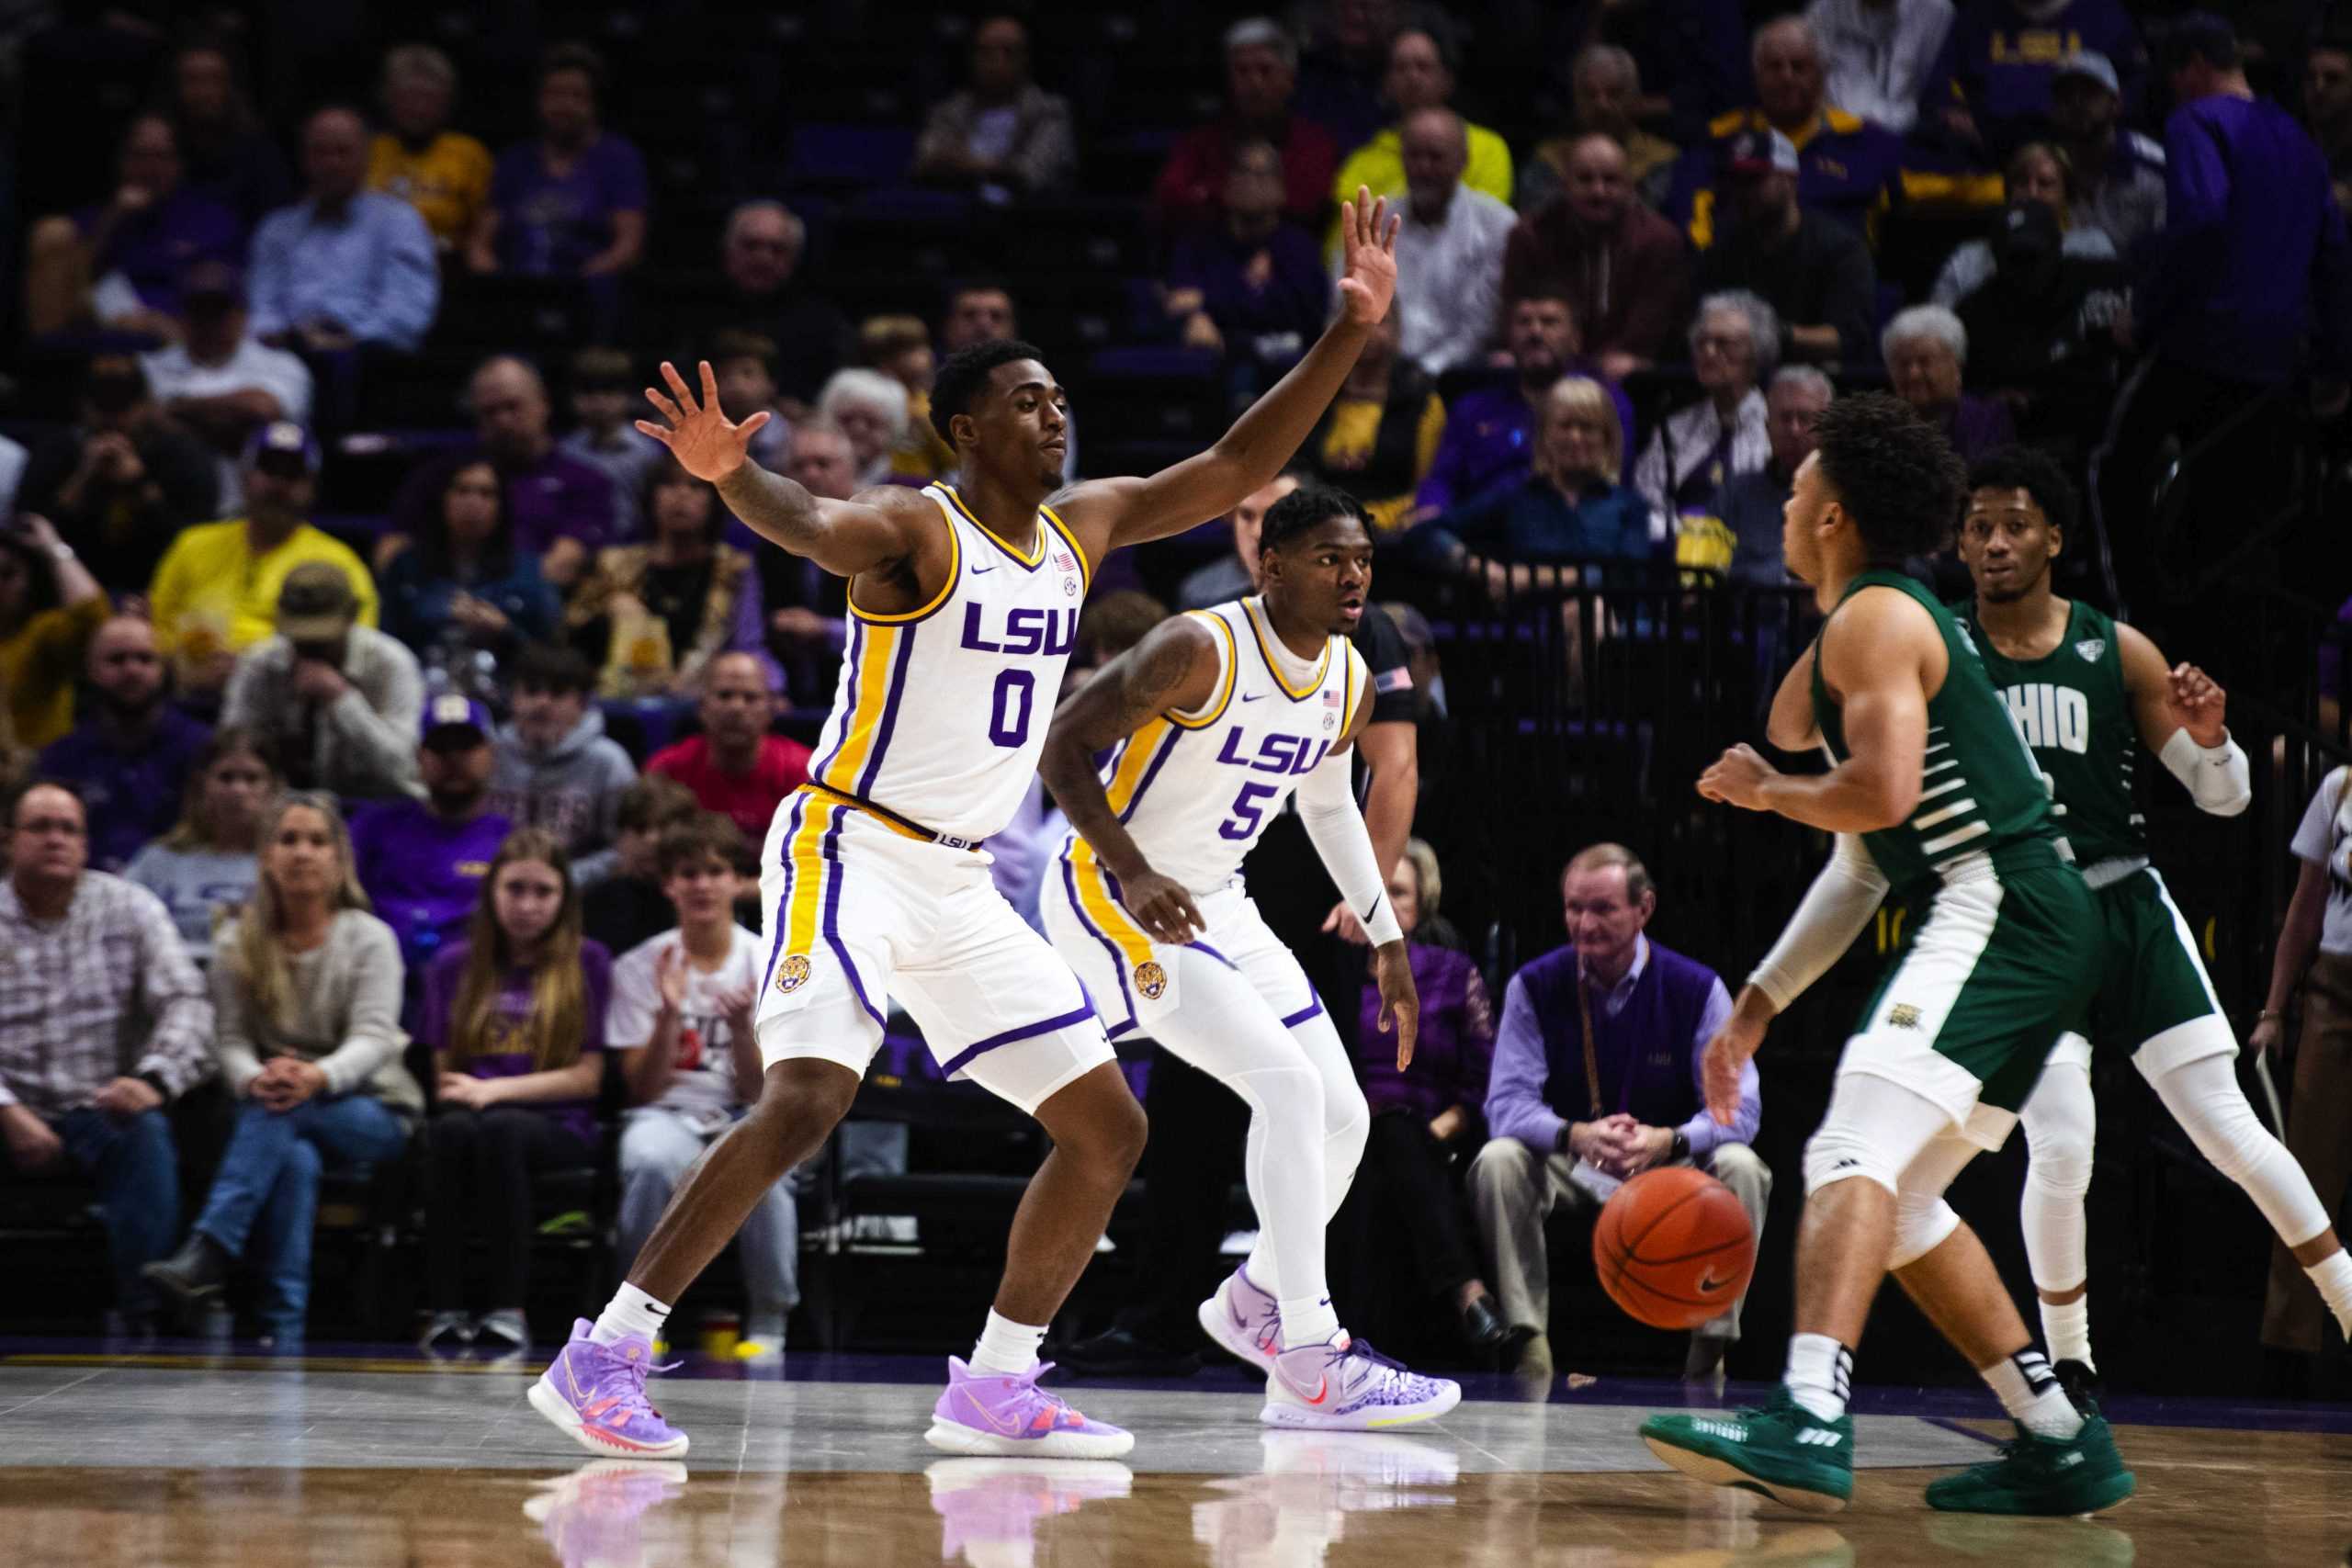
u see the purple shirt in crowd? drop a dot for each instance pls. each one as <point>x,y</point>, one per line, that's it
<point>153,248</point>
<point>1976,426</point>
<point>1541,1025</point>
<point>1490,440</point>
<point>2253,255</point>
<point>441,984</point>
<point>132,797</point>
<point>424,872</point>
<point>550,225</point>
<point>1294,297</point>
<point>1454,1051</point>
<point>555,497</point>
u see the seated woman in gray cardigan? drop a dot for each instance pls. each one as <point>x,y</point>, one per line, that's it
<point>306,984</point>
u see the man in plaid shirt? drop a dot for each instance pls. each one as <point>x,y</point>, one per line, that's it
<point>104,1020</point>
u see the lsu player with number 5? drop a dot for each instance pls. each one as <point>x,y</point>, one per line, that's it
<point>964,604</point>
<point>1213,722</point>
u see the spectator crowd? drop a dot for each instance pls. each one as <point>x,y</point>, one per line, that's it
<point>393,726</point>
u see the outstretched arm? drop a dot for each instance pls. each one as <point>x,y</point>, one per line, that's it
<point>1248,457</point>
<point>1175,667</point>
<point>2179,712</point>
<point>1879,654</point>
<point>846,537</point>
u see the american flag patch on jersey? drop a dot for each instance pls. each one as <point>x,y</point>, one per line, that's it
<point>1398,680</point>
<point>1062,559</point>
<point>1331,698</point>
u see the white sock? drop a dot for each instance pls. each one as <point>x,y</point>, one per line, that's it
<point>2067,1330</point>
<point>630,1311</point>
<point>1308,1321</point>
<point>2029,1391</point>
<point>1006,1349</point>
<point>2333,1275</point>
<point>1820,1375</point>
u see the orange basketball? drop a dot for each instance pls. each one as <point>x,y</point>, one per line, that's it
<point>1673,1247</point>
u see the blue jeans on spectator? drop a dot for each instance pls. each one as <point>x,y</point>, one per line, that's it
<point>266,1194</point>
<point>137,1167</point>
<point>656,1147</point>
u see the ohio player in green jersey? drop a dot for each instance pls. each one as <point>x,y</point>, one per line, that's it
<point>1933,792</point>
<point>2088,693</point>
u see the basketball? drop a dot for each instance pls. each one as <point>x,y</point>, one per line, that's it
<point>1673,1247</point>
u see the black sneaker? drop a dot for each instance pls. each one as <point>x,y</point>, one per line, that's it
<point>2081,1384</point>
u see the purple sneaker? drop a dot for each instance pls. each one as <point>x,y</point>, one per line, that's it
<point>1245,1320</point>
<point>985,1414</point>
<point>596,1392</point>
<point>1344,1385</point>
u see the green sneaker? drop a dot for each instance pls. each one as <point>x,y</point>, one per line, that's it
<point>2041,1476</point>
<point>1781,1450</point>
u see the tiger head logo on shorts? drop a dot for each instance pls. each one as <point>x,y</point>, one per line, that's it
<point>791,975</point>
<point>1150,979</point>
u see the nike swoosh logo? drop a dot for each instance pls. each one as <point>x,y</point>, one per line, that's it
<point>1322,1387</point>
<point>1710,1285</point>
<point>982,570</point>
<point>1259,698</point>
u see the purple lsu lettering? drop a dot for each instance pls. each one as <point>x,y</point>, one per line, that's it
<point>1276,753</point>
<point>1048,633</point>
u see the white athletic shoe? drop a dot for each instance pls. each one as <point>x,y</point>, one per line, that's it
<point>1244,1319</point>
<point>1344,1385</point>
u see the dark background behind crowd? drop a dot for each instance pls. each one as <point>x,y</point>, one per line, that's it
<point>422,720</point>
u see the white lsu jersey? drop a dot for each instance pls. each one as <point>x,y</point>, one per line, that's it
<point>941,712</point>
<point>1196,790</point>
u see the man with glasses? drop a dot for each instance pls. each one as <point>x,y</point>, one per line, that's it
<point>102,1022</point>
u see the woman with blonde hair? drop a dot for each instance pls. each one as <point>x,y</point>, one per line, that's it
<point>515,1017</point>
<point>1571,511</point>
<point>205,868</point>
<point>306,993</point>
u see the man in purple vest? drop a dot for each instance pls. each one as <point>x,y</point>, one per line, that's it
<point>1574,1116</point>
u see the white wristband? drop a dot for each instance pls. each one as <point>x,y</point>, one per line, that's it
<point>2218,778</point>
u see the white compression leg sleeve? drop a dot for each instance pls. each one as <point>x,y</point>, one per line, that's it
<point>2204,1098</point>
<point>2061,1124</point>
<point>1874,1129</point>
<point>1224,1027</point>
<point>1347,1123</point>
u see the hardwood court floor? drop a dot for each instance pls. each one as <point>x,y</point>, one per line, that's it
<point>173,1462</point>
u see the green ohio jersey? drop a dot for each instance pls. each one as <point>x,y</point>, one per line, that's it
<point>1981,794</point>
<point>2077,719</point>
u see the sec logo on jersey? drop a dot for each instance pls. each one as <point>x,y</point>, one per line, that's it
<point>791,975</point>
<point>1152,980</point>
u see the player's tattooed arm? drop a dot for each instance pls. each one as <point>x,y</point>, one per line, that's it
<point>1265,438</point>
<point>877,530</point>
<point>1174,668</point>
